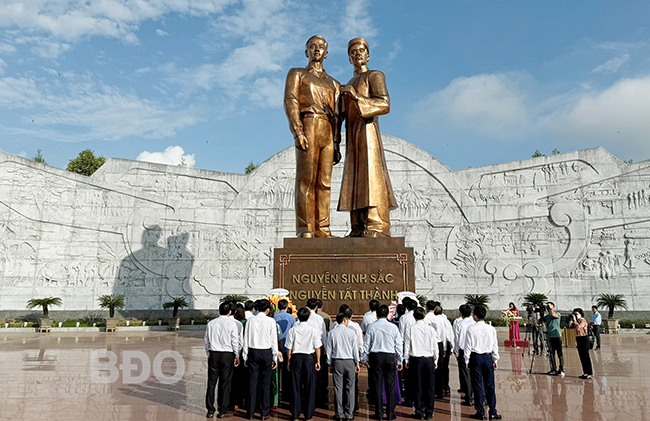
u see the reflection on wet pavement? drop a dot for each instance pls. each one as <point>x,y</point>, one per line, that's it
<point>49,376</point>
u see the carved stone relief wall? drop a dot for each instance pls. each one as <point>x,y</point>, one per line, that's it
<point>571,226</point>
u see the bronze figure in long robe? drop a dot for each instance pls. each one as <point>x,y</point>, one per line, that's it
<point>366,190</point>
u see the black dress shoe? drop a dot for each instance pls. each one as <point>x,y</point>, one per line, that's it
<point>209,415</point>
<point>467,402</point>
<point>477,416</point>
<point>495,417</point>
<point>225,415</point>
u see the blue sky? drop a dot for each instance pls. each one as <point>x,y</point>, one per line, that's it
<point>472,82</point>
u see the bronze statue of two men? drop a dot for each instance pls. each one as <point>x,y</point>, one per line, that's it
<point>316,106</point>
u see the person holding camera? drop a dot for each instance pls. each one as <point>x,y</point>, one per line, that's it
<point>554,332</point>
<point>581,326</point>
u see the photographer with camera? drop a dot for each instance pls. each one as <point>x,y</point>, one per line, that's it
<point>579,323</point>
<point>554,332</point>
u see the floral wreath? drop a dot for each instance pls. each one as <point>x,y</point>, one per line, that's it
<point>275,298</point>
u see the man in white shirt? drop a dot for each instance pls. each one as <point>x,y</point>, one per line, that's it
<point>249,306</point>
<point>223,342</point>
<point>405,323</point>
<point>343,359</point>
<point>260,354</point>
<point>380,346</point>
<point>347,311</point>
<point>369,316</point>
<point>421,354</point>
<point>322,379</point>
<point>303,351</point>
<point>445,347</point>
<point>481,356</point>
<point>460,339</point>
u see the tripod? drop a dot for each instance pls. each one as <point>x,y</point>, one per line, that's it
<point>547,348</point>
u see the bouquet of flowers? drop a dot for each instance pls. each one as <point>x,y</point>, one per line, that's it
<point>275,298</point>
<point>509,316</point>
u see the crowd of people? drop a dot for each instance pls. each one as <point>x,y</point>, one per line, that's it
<point>258,357</point>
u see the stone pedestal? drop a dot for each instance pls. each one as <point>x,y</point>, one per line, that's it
<point>344,270</point>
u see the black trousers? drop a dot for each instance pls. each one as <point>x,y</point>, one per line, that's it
<point>481,369</point>
<point>220,368</point>
<point>555,345</point>
<point>303,385</point>
<point>382,370</point>
<point>464,377</point>
<point>596,330</point>
<point>583,353</point>
<point>442,372</point>
<point>423,374</point>
<point>260,362</point>
<point>322,380</point>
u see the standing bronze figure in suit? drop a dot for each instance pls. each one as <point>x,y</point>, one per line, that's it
<point>311,103</point>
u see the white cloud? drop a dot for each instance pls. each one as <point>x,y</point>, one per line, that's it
<point>506,107</point>
<point>22,154</point>
<point>68,21</point>
<point>616,116</point>
<point>161,33</point>
<point>489,104</point>
<point>270,30</point>
<point>83,110</point>
<point>7,48</point>
<point>173,155</point>
<point>356,21</point>
<point>613,65</point>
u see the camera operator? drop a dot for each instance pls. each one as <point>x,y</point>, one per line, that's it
<point>554,332</point>
<point>538,329</point>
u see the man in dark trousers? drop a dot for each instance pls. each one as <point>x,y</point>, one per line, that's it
<point>421,354</point>
<point>381,346</point>
<point>481,356</point>
<point>303,352</point>
<point>460,337</point>
<point>554,332</point>
<point>596,321</point>
<point>223,342</point>
<point>260,355</point>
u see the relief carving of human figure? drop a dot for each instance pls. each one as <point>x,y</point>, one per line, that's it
<point>310,102</point>
<point>366,191</point>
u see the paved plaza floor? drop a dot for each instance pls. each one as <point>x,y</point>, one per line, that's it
<point>49,377</point>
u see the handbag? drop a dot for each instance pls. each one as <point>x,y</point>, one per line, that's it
<point>592,338</point>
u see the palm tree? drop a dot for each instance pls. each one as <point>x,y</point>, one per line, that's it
<point>177,303</point>
<point>234,298</point>
<point>534,298</point>
<point>45,303</point>
<point>611,301</point>
<point>477,300</point>
<point>111,302</point>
